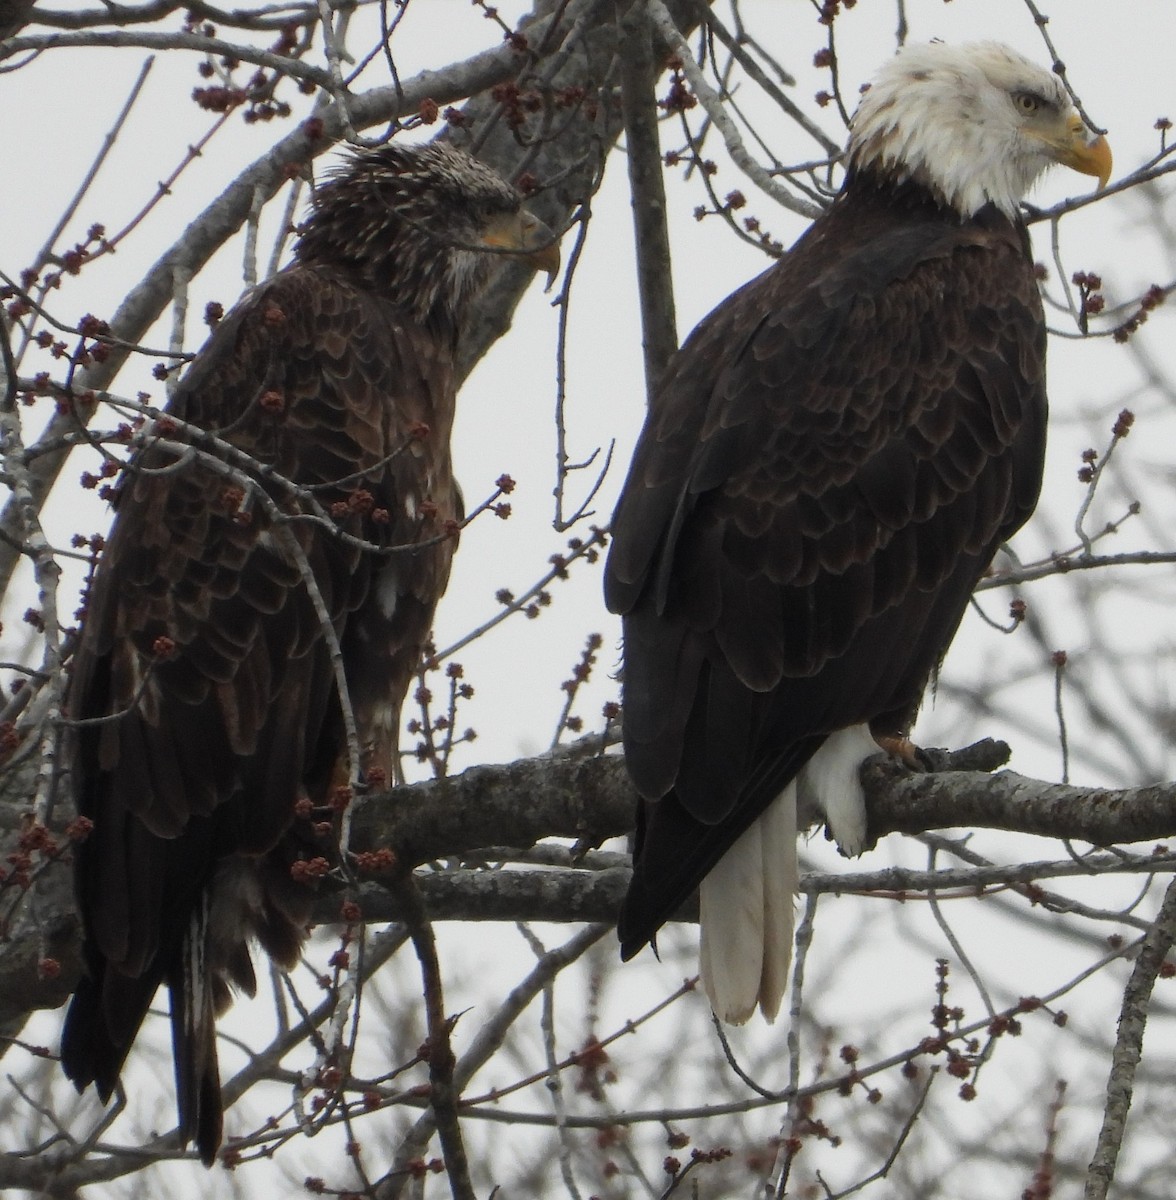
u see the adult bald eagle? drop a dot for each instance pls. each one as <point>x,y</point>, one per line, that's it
<point>204,682</point>
<point>827,468</point>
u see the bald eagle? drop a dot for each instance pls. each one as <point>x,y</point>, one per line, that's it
<point>827,468</point>
<point>204,686</point>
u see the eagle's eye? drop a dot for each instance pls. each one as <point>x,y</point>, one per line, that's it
<point>1027,102</point>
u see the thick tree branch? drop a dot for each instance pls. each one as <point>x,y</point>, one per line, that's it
<point>901,802</point>
<point>514,804</point>
<point>647,192</point>
<point>570,896</point>
<point>591,800</point>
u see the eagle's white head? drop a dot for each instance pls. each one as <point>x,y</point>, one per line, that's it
<point>976,123</point>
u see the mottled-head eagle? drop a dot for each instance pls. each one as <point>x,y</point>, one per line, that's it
<point>240,576</point>
<point>827,468</point>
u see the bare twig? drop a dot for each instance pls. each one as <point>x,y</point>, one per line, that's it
<point>554,1074</point>
<point>663,23</point>
<point>831,148</point>
<point>158,42</point>
<point>45,253</point>
<point>1057,65</point>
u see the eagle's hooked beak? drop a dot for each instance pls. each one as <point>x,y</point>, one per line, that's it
<point>525,235</point>
<point>1084,151</point>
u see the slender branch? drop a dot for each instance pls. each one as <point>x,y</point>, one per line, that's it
<point>158,42</point>
<point>900,1140</point>
<point>554,1075</point>
<point>954,942</point>
<point>46,251</point>
<point>789,1145</point>
<point>491,1110</point>
<point>1129,1047</point>
<point>1144,174</point>
<point>486,1042</point>
<point>778,96</point>
<point>1064,565</point>
<point>570,896</point>
<point>443,1090</point>
<point>1058,66</point>
<point>663,23</point>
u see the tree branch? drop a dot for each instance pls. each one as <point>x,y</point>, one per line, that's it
<point>1129,1046</point>
<point>647,195</point>
<point>591,799</point>
<point>713,104</point>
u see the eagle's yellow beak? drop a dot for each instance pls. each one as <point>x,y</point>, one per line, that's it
<point>524,234</point>
<point>1084,151</point>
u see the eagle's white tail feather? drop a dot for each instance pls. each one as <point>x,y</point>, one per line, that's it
<point>746,901</point>
<point>746,916</point>
<point>781,877</point>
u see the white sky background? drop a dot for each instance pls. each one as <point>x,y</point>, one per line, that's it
<point>1119,58</point>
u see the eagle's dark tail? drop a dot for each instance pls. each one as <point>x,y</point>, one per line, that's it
<point>103,1018</point>
<point>246,898</point>
<point>193,1019</point>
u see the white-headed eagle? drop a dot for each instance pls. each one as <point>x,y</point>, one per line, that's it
<point>827,468</point>
<point>204,687</point>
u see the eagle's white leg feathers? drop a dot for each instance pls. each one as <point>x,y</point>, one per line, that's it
<point>830,784</point>
<point>746,916</point>
<point>746,901</point>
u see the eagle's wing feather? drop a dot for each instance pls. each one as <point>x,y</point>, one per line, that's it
<point>827,468</point>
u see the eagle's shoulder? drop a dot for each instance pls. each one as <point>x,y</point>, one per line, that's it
<point>879,320</point>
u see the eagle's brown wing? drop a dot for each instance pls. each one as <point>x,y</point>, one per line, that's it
<point>827,468</point>
<point>204,680</point>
